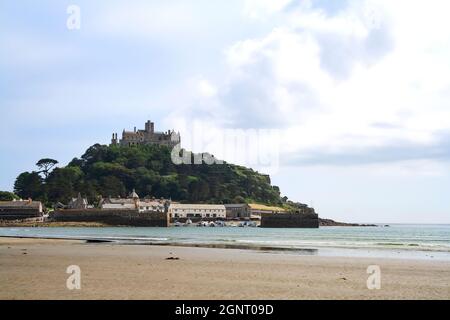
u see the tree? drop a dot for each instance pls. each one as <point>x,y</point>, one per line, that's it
<point>112,186</point>
<point>239,199</point>
<point>45,165</point>
<point>29,185</point>
<point>7,196</point>
<point>64,183</point>
<point>114,170</point>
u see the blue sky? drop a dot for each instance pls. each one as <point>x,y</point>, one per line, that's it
<point>357,91</point>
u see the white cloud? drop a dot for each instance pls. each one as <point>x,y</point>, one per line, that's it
<point>146,19</point>
<point>262,9</point>
<point>372,75</point>
<point>206,89</point>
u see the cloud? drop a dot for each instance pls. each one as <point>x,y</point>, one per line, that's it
<point>347,85</point>
<point>205,88</point>
<point>263,9</point>
<point>146,19</point>
<point>396,151</point>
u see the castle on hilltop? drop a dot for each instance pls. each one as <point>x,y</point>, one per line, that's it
<point>147,136</point>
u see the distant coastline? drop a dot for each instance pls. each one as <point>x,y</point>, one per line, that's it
<point>332,223</point>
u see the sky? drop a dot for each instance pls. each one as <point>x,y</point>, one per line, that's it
<point>346,104</point>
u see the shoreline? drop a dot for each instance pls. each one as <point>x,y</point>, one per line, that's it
<point>62,224</point>
<point>325,251</point>
<point>36,269</point>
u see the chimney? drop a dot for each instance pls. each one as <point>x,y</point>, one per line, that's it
<point>135,129</point>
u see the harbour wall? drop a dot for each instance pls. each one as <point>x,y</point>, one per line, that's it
<point>113,217</point>
<point>19,214</point>
<point>289,220</point>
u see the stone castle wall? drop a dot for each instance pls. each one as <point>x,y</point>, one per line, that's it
<point>147,136</point>
<point>113,217</point>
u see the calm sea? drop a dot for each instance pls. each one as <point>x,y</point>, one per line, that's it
<point>395,241</point>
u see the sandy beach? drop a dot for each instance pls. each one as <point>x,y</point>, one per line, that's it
<point>36,269</point>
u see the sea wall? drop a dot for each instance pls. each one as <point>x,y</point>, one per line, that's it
<point>18,213</point>
<point>113,217</point>
<point>289,220</point>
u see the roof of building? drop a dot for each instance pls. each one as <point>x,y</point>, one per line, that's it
<point>110,200</point>
<point>21,204</point>
<point>133,195</point>
<point>256,206</point>
<point>78,201</point>
<point>118,206</point>
<point>150,203</point>
<point>197,206</point>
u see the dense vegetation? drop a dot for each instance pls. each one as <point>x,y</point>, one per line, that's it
<point>7,196</point>
<point>114,171</point>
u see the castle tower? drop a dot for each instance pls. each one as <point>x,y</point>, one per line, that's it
<point>150,127</point>
<point>114,139</point>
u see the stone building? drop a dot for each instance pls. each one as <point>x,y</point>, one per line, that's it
<point>119,211</point>
<point>78,203</point>
<point>237,211</point>
<point>154,205</point>
<point>256,210</point>
<point>182,210</point>
<point>147,136</point>
<point>20,209</point>
<point>133,202</point>
<point>129,203</point>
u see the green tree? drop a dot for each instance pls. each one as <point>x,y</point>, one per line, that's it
<point>239,199</point>
<point>45,165</point>
<point>7,196</point>
<point>64,183</point>
<point>29,185</point>
<point>116,170</point>
<point>112,186</point>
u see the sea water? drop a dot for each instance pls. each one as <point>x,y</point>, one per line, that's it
<point>395,241</point>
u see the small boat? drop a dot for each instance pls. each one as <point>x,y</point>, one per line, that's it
<point>177,224</point>
<point>220,223</point>
<point>188,221</point>
<point>212,224</point>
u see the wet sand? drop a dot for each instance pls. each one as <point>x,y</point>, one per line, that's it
<point>36,269</point>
